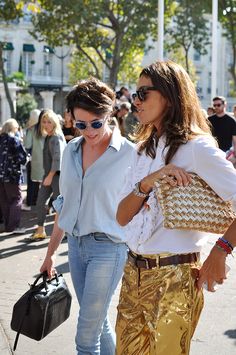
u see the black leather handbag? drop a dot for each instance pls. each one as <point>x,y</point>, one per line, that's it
<point>42,308</point>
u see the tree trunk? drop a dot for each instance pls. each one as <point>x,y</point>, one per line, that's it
<point>233,67</point>
<point>115,61</point>
<point>5,83</point>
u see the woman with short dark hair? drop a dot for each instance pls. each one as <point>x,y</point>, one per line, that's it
<point>92,174</point>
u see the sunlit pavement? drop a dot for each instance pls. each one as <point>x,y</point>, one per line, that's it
<point>20,262</point>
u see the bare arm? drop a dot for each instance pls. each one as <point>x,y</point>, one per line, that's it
<point>234,144</point>
<point>132,204</point>
<point>55,240</point>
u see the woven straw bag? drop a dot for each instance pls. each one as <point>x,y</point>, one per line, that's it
<point>194,207</point>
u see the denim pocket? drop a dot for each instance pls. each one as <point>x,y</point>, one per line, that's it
<point>101,238</point>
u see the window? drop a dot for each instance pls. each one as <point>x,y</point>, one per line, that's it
<point>47,60</point>
<point>7,57</point>
<point>28,59</point>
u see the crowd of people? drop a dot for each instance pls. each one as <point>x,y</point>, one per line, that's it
<point>99,170</point>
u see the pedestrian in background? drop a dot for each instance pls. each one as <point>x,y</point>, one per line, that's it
<point>34,142</point>
<point>12,157</point>
<point>223,125</point>
<point>92,175</point>
<point>54,145</point>
<point>160,302</point>
<point>68,127</point>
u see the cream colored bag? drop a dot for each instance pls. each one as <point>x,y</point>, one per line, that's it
<point>194,207</point>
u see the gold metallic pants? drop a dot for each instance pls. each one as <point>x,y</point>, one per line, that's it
<point>158,310</point>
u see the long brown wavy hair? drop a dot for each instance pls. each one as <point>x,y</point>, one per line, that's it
<point>183,119</point>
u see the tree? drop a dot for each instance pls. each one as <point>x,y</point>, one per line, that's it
<point>188,28</point>
<point>113,29</point>
<point>24,105</point>
<point>9,11</point>
<point>227,16</point>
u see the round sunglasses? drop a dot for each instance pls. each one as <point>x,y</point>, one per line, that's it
<point>142,92</point>
<point>96,124</point>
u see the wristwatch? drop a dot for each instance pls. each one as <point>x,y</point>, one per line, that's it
<point>138,192</point>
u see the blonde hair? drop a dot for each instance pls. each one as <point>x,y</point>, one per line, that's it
<point>9,126</point>
<point>51,116</point>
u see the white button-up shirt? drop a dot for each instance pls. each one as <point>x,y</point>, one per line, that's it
<point>88,203</point>
<point>145,234</point>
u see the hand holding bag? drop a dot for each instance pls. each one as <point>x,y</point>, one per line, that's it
<point>42,308</point>
<point>193,207</point>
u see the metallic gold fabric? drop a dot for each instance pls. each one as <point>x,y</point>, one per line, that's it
<point>158,310</point>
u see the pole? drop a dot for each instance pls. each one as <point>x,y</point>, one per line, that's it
<point>160,29</point>
<point>214,48</point>
<point>62,57</point>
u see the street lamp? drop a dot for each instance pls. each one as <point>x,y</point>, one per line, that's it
<point>61,57</point>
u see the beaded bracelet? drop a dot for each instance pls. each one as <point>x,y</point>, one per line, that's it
<point>223,246</point>
<point>227,242</point>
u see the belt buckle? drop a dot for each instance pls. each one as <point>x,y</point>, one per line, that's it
<point>146,263</point>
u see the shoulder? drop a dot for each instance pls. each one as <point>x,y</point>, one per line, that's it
<point>128,145</point>
<point>230,119</point>
<point>201,141</point>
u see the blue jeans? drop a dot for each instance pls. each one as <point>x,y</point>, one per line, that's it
<point>96,266</point>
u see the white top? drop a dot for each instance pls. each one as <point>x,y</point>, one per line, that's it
<point>145,233</point>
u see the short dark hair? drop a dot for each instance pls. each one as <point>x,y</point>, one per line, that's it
<point>91,95</point>
<point>222,98</point>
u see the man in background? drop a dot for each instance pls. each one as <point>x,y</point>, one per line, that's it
<point>223,125</point>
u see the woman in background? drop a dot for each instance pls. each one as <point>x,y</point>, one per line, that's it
<point>12,156</point>
<point>52,155</point>
<point>34,142</point>
<point>68,127</point>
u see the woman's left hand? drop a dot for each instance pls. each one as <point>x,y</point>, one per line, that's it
<point>169,171</point>
<point>213,270</point>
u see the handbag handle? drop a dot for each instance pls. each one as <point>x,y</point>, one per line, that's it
<point>44,275</point>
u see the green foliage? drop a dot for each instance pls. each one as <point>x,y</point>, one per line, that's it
<point>25,103</point>
<point>10,10</point>
<point>19,79</point>
<point>178,56</point>
<point>227,17</point>
<point>109,27</point>
<point>188,29</point>
<point>81,68</point>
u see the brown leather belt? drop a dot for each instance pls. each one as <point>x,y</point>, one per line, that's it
<point>148,263</point>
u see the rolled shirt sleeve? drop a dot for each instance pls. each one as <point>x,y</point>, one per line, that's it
<point>58,204</point>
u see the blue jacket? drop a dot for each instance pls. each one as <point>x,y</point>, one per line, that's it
<point>12,156</point>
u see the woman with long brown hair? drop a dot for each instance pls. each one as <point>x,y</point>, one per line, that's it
<point>161,297</point>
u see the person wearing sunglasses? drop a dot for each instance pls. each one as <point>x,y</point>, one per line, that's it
<point>92,175</point>
<point>223,125</point>
<point>161,295</point>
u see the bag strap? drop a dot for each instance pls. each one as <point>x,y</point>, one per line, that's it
<point>21,324</point>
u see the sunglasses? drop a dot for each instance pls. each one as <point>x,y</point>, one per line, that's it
<point>217,105</point>
<point>96,124</point>
<point>142,92</point>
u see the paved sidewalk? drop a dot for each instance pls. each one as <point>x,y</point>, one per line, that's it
<point>20,262</point>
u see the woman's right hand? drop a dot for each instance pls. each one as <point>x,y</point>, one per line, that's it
<point>49,266</point>
<point>181,177</point>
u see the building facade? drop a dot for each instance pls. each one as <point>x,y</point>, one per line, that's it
<point>45,68</point>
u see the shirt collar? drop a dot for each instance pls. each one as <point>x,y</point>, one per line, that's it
<point>115,141</point>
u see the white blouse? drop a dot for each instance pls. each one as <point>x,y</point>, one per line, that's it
<point>145,233</point>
